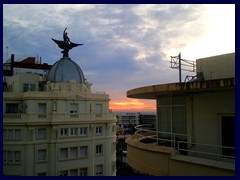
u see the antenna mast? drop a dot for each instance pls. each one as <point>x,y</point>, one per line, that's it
<point>7,52</point>
<point>182,64</point>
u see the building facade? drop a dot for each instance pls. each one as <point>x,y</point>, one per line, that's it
<point>126,121</point>
<point>148,118</point>
<point>195,124</point>
<point>53,124</point>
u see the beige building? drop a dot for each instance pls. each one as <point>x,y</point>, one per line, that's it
<point>53,124</point>
<point>195,124</point>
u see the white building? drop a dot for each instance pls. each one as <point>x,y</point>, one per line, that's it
<point>126,121</point>
<point>54,125</point>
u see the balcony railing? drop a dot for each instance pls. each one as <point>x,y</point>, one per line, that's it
<point>42,116</point>
<point>181,143</point>
<point>21,117</point>
<point>12,116</point>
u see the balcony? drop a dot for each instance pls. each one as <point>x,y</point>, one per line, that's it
<point>169,154</point>
<point>12,116</point>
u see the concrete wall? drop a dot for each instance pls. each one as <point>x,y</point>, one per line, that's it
<point>217,67</point>
<point>148,162</point>
<point>19,79</point>
<point>204,110</point>
<point>145,159</point>
<point>207,110</point>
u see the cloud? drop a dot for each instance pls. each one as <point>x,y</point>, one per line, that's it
<point>125,46</point>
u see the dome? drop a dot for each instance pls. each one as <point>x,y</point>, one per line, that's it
<point>64,70</point>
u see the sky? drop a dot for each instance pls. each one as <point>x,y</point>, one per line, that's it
<point>126,46</point>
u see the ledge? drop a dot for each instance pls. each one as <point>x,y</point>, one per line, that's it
<point>153,91</point>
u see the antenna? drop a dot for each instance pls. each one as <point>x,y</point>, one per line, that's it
<point>182,64</point>
<point>7,53</point>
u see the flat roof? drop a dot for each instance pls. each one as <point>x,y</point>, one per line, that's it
<point>154,91</point>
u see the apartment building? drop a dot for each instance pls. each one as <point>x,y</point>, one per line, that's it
<point>53,124</point>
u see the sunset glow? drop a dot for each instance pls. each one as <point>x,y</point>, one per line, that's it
<point>133,105</point>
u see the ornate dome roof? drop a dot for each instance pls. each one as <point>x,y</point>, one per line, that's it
<point>64,70</point>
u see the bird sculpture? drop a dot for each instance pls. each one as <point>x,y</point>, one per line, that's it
<point>66,44</point>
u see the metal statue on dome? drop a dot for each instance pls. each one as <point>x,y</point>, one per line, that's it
<point>66,44</point>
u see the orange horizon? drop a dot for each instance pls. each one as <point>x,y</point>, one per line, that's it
<point>132,105</point>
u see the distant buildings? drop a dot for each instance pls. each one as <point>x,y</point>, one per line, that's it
<point>195,124</point>
<point>148,118</point>
<point>126,121</point>
<point>53,125</point>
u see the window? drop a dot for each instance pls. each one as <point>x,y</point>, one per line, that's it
<point>10,133</point>
<point>73,152</point>
<point>99,149</point>
<point>4,156</point>
<point>74,111</point>
<point>17,156</point>
<point>64,173</point>
<point>98,110</point>
<point>74,108</point>
<point>10,156</point>
<point>42,174</point>
<point>25,87</point>
<point>99,170</point>
<point>74,131</point>
<point>42,110</point>
<point>113,129</point>
<point>73,172</point>
<point>83,131</point>
<point>5,131</point>
<point>41,133</point>
<point>172,114</point>
<point>32,87</point>
<point>12,108</point>
<point>83,152</point>
<point>42,154</point>
<point>63,132</point>
<point>113,167</point>
<point>63,153</point>
<point>99,130</point>
<point>17,133</point>
<point>83,172</point>
<point>29,87</point>
<point>113,147</point>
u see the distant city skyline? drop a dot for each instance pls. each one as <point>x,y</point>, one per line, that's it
<point>125,46</point>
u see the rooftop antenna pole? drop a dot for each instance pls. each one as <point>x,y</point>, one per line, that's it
<point>182,64</point>
<point>180,68</point>
<point>7,52</point>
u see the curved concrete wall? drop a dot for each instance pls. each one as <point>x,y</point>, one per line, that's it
<point>150,159</point>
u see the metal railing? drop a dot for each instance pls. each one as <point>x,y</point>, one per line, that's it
<point>180,142</point>
<point>208,151</point>
<point>13,116</point>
